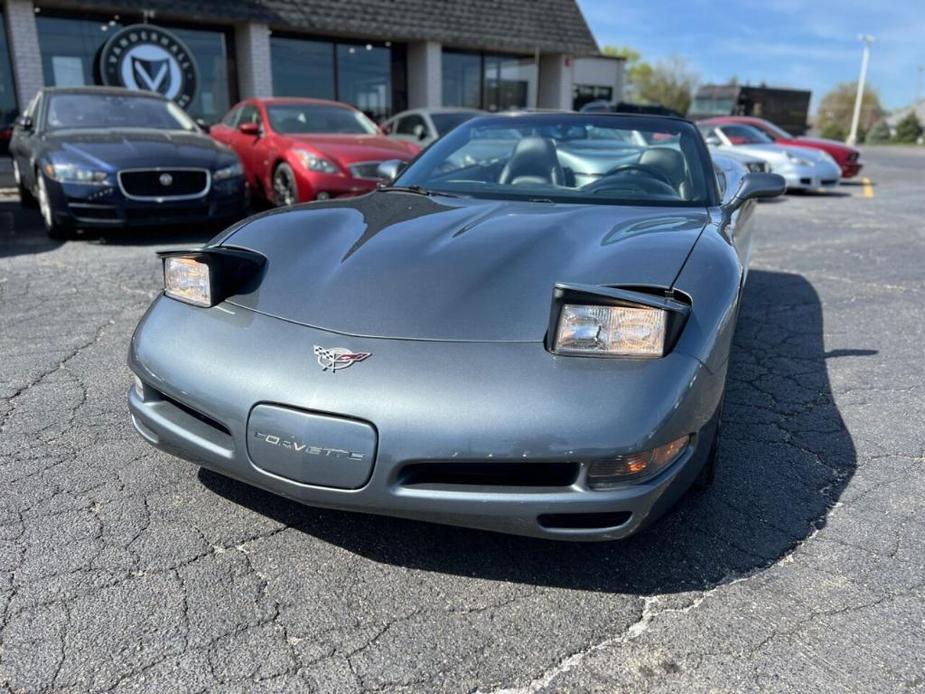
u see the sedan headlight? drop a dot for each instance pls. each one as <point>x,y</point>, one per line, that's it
<point>66,172</point>
<point>231,171</point>
<point>626,331</point>
<point>797,160</point>
<point>188,280</point>
<point>313,162</point>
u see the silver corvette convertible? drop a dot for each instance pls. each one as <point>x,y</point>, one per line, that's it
<point>527,330</point>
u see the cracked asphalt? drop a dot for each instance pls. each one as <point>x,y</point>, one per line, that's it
<point>801,569</point>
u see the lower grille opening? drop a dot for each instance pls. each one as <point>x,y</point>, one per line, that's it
<point>806,181</point>
<point>583,521</point>
<point>188,410</point>
<point>491,474</point>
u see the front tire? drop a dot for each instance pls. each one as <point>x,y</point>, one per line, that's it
<point>26,198</point>
<point>285,189</point>
<point>54,228</point>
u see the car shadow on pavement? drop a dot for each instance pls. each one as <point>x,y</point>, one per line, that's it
<point>21,230</point>
<point>785,458</point>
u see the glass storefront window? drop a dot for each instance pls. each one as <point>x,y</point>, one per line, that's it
<point>302,67</point>
<point>8,106</point>
<point>213,98</point>
<point>462,79</point>
<point>510,82</point>
<point>70,47</point>
<point>364,75</point>
<point>491,82</point>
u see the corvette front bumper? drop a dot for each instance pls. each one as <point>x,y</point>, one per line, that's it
<point>432,408</point>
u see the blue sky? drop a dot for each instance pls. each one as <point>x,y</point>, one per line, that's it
<point>809,44</point>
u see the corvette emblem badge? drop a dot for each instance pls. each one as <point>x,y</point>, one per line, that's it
<point>338,358</point>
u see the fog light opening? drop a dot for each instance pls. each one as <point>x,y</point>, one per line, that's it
<point>607,474</point>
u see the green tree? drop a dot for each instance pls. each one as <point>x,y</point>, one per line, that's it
<point>669,82</point>
<point>879,133</point>
<point>837,107</point>
<point>909,129</point>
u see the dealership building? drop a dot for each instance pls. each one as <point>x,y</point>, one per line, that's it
<point>382,56</point>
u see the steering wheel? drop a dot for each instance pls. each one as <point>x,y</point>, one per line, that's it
<point>645,170</point>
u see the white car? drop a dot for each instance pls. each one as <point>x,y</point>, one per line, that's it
<point>803,168</point>
<point>422,126</point>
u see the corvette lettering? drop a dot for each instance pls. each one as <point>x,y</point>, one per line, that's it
<point>308,449</point>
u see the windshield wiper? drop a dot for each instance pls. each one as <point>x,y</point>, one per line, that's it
<point>420,190</point>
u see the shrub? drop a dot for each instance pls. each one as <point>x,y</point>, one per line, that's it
<point>879,134</point>
<point>909,129</point>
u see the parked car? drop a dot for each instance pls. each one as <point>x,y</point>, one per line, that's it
<point>847,157</point>
<point>749,162</point>
<point>421,126</point>
<point>801,167</point>
<point>297,150</point>
<point>500,344</point>
<point>112,157</point>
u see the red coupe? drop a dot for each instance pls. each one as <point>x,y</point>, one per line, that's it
<point>297,150</point>
<point>846,157</point>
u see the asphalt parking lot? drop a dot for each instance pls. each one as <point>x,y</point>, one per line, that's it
<point>802,568</point>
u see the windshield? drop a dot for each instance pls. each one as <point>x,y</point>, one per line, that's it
<point>586,158</point>
<point>444,122</point>
<point>745,135</point>
<point>294,119</point>
<point>775,131</point>
<point>115,111</point>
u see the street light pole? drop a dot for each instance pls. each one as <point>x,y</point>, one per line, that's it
<point>867,39</point>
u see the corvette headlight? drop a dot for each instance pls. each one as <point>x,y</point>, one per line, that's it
<point>626,331</point>
<point>797,160</point>
<point>607,474</point>
<point>188,280</point>
<point>66,172</point>
<point>313,162</point>
<point>227,172</point>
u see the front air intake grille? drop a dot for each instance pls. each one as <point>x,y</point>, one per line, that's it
<point>489,474</point>
<point>584,521</point>
<point>164,184</point>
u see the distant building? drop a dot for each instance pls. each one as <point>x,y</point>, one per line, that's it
<point>382,56</point>
<point>786,108</point>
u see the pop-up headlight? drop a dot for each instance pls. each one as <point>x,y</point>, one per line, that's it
<point>209,276</point>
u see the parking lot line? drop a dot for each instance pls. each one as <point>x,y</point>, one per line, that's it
<point>868,188</point>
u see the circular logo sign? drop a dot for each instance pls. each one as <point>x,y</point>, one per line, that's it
<point>165,179</point>
<point>148,57</point>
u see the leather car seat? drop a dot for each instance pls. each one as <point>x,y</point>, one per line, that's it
<point>533,160</point>
<point>670,163</point>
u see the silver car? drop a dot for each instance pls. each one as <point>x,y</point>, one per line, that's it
<point>532,338</point>
<point>422,126</point>
<point>802,168</point>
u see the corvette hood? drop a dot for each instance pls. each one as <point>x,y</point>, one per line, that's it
<point>399,265</point>
<point>115,149</point>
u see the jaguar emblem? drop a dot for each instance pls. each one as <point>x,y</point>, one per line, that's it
<point>165,179</point>
<point>337,358</point>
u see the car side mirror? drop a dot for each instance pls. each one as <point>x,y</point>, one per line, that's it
<point>754,186</point>
<point>713,141</point>
<point>25,122</point>
<point>388,170</point>
<point>252,129</point>
<point>202,124</point>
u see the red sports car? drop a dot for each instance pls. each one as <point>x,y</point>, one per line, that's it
<point>846,157</point>
<point>297,150</point>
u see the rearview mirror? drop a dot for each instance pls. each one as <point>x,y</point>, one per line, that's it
<point>24,122</point>
<point>420,132</point>
<point>388,170</point>
<point>249,128</point>
<point>754,186</point>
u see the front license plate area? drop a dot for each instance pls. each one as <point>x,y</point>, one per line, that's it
<point>311,448</point>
